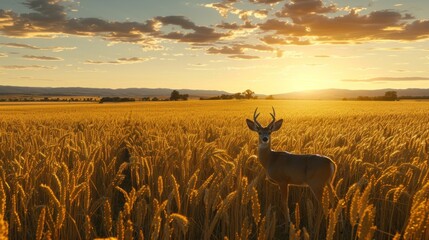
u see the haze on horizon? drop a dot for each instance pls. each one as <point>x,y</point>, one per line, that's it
<point>269,46</point>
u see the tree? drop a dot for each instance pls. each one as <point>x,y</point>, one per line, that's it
<point>391,96</point>
<point>175,95</point>
<point>238,96</point>
<point>249,94</point>
<point>184,97</point>
<point>270,97</point>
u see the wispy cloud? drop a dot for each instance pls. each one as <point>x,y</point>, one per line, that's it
<point>248,57</point>
<point>226,50</point>
<point>25,67</point>
<point>27,46</point>
<point>35,78</point>
<point>197,64</point>
<point>279,40</point>
<point>322,56</point>
<point>119,61</point>
<point>266,1</point>
<point>394,49</point>
<point>238,50</point>
<point>42,58</point>
<point>388,79</point>
<point>3,55</point>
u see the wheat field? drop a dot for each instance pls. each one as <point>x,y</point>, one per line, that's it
<point>188,170</point>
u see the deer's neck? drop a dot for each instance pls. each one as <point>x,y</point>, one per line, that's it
<point>264,155</point>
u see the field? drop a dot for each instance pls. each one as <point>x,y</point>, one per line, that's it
<point>188,170</point>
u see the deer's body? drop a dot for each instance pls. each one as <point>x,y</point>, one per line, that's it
<point>286,169</point>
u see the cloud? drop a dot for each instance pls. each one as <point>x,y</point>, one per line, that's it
<point>246,14</point>
<point>235,26</point>
<point>3,55</point>
<point>260,47</point>
<point>197,64</point>
<point>91,26</point>
<point>297,8</point>
<point>239,49</point>
<point>247,57</point>
<point>394,49</point>
<point>46,11</point>
<point>322,56</point>
<point>42,58</point>
<point>348,28</point>
<point>200,34</point>
<point>119,61</point>
<point>223,8</point>
<point>19,45</point>
<point>227,7</point>
<point>266,1</point>
<point>6,18</point>
<point>283,28</point>
<point>25,67</point>
<point>298,22</point>
<point>416,30</point>
<point>35,78</point>
<point>226,50</point>
<point>48,18</point>
<point>273,39</point>
<point>388,79</point>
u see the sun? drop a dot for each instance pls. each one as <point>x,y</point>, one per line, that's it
<point>306,78</point>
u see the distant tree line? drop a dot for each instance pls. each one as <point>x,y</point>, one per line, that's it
<point>154,99</point>
<point>116,99</point>
<point>388,96</point>
<point>414,97</point>
<point>248,94</point>
<point>47,99</point>
<point>174,96</point>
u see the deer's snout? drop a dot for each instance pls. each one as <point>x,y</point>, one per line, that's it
<point>265,139</point>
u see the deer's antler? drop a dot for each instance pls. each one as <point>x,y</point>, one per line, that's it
<point>273,115</point>
<point>255,116</point>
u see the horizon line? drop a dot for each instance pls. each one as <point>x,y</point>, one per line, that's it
<point>194,89</point>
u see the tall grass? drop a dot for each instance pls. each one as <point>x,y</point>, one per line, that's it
<point>188,170</point>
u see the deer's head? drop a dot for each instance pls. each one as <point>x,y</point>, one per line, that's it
<point>264,132</point>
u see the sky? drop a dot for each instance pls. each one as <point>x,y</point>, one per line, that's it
<point>269,46</point>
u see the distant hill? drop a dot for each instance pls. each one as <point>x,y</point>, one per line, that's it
<point>104,92</point>
<point>165,92</point>
<point>345,93</point>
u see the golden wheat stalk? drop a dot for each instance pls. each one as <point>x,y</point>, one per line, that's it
<point>40,224</point>
<point>107,216</point>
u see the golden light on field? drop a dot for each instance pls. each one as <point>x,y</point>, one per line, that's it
<point>188,170</point>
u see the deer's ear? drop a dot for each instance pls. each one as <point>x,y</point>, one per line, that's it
<point>277,125</point>
<point>251,125</point>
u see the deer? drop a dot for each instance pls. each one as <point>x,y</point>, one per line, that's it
<point>284,168</point>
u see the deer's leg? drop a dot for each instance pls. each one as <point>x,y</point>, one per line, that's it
<point>317,189</point>
<point>284,188</point>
